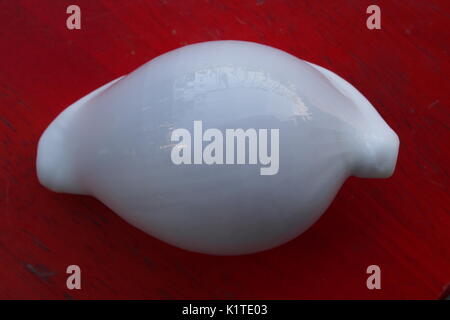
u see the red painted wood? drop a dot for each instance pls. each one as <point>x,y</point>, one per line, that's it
<point>401,224</point>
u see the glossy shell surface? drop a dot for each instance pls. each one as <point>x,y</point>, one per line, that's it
<point>115,144</point>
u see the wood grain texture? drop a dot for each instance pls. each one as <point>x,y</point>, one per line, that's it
<point>401,224</point>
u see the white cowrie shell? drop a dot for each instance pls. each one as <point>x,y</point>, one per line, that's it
<point>117,144</point>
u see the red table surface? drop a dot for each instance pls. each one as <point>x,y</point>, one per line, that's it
<point>401,224</point>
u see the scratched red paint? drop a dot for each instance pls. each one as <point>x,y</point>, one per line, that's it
<point>401,224</point>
